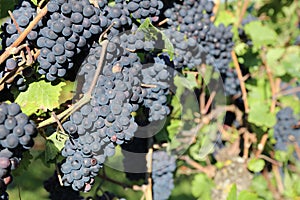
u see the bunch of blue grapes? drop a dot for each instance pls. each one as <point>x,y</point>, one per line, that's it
<point>218,45</point>
<point>163,167</point>
<point>187,52</point>
<point>157,75</point>
<point>16,136</point>
<point>118,16</point>
<point>70,28</point>
<point>191,17</point>
<point>23,15</point>
<point>286,131</point>
<point>231,83</point>
<point>106,120</point>
<point>141,9</point>
<point>135,41</point>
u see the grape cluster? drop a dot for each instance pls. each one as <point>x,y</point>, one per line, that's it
<point>187,52</point>
<point>23,15</point>
<point>218,45</point>
<point>70,27</point>
<point>163,166</point>
<point>285,130</point>
<point>57,192</point>
<point>191,17</point>
<point>157,76</point>
<point>231,83</point>
<point>16,136</point>
<point>117,15</point>
<point>141,9</point>
<point>106,120</point>
<point>135,41</point>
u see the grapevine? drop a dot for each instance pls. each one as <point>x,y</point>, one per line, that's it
<point>152,99</point>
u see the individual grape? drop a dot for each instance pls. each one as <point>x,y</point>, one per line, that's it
<point>12,141</point>
<point>58,49</point>
<point>11,64</point>
<point>13,109</point>
<point>10,123</point>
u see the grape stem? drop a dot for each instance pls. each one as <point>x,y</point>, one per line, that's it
<point>243,11</point>
<point>163,22</point>
<point>270,160</point>
<point>241,79</point>
<point>261,145</point>
<point>23,35</point>
<point>277,175</point>
<point>215,10</point>
<point>209,101</point>
<point>270,184</point>
<point>209,170</point>
<point>289,91</point>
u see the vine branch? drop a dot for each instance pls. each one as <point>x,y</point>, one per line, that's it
<point>23,35</point>
<point>243,11</point>
<point>209,170</point>
<point>241,79</point>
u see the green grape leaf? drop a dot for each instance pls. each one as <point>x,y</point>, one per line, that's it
<point>51,151</point>
<point>260,34</point>
<point>225,17</point>
<point>197,186</point>
<point>260,186</point>
<point>174,127</point>
<point>291,60</point>
<point>284,156</point>
<point>232,193</point>
<point>273,56</point>
<point>151,33</point>
<point>58,140</point>
<point>245,195</point>
<point>256,164</point>
<point>40,95</point>
<point>260,115</point>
